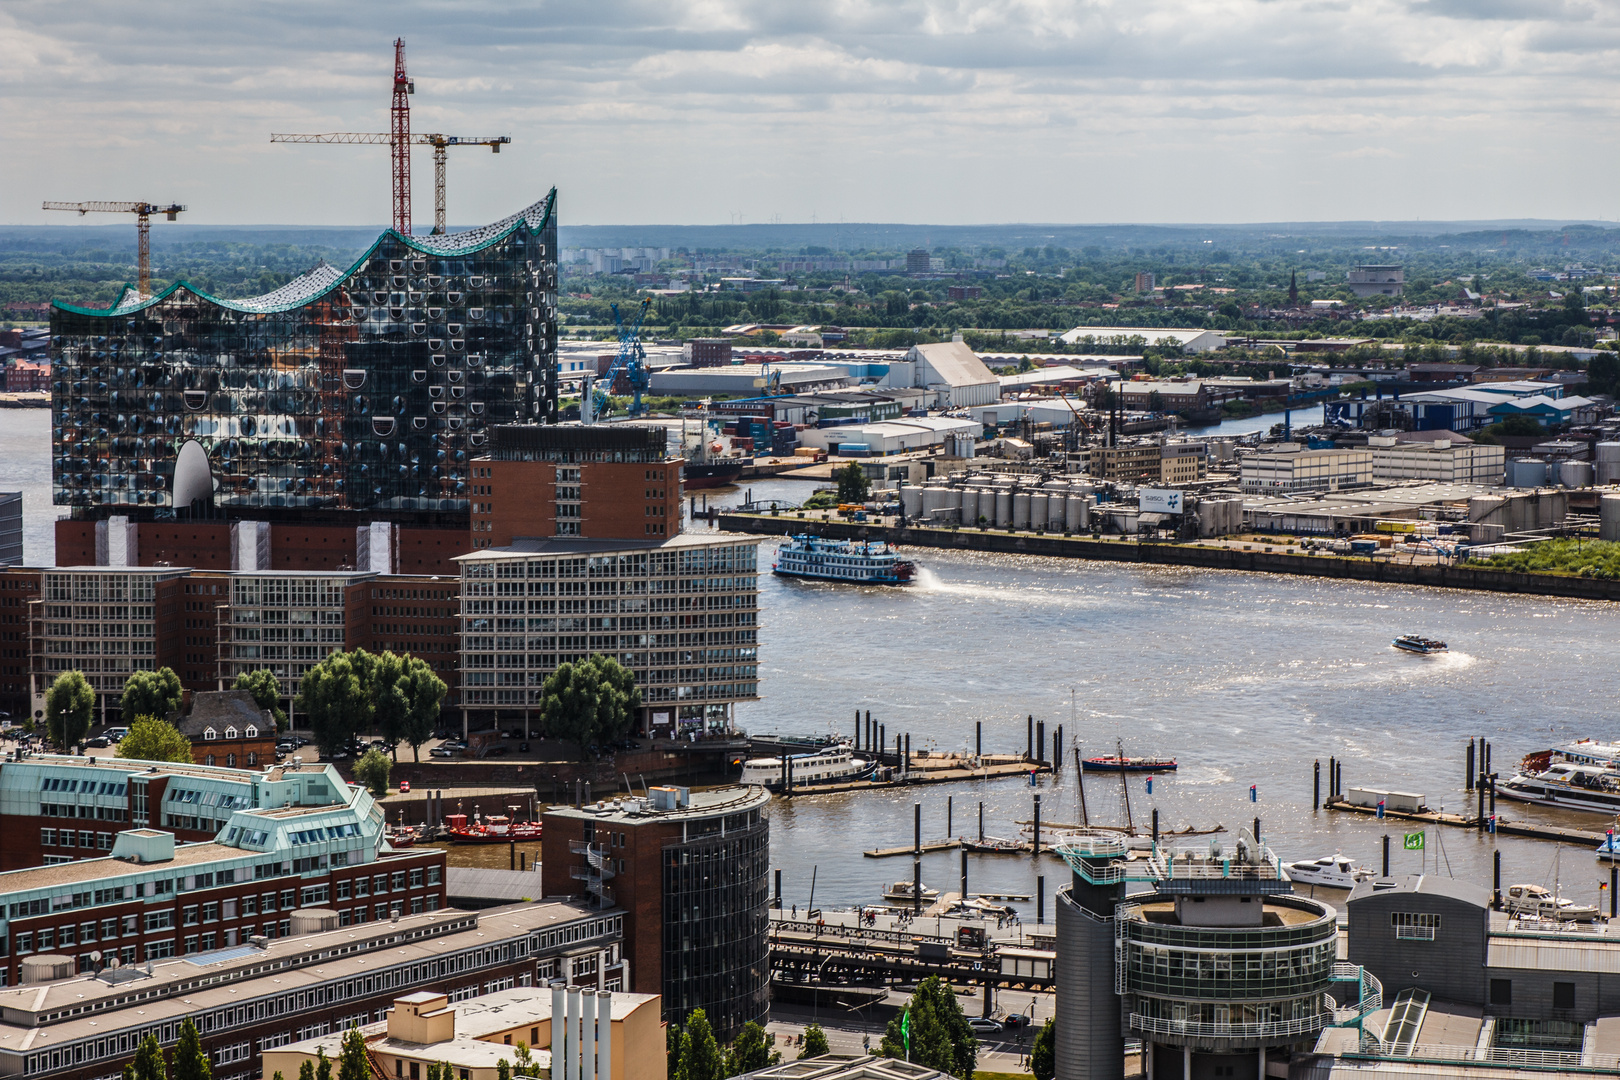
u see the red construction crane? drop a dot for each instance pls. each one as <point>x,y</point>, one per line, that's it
<point>143,212</point>
<point>400,140</point>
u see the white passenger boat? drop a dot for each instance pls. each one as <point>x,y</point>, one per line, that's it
<point>1334,872</point>
<point>855,562</point>
<point>829,765</point>
<point>1570,784</point>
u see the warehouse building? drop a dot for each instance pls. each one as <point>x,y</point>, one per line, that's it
<point>1438,461</point>
<point>1290,468</point>
<point>951,370</point>
<point>893,436</point>
<point>748,380</point>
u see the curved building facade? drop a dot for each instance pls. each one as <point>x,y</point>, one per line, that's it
<point>1213,968</point>
<point>365,389</point>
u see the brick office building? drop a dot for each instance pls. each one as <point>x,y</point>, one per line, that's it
<point>608,481</point>
<point>55,808</point>
<point>690,872</point>
<point>320,981</point>
<point>227,727</point>
<point>150,898</point>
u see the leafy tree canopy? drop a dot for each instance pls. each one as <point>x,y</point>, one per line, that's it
<point>190,1060</point>
<point>592,701</point>
<point>151,693</point>
<point>700,1057</point>
<point>814,1043</point>
<point>372,770</point>
<point>938,1037</point>
<point>266,691</point>
<point>853,485</point>
<point>336,696</point>
<point>1043,1054</point>
<point>69,705</point>
<point>151,739</point>
<point>750,1050</point>
<point>148,1063</point>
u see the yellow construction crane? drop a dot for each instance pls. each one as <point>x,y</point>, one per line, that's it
<point>440,143</point>
<point>143,212</point>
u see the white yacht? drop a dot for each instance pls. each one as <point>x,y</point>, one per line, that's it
<point>1334,872</point>
<point>829,765</point>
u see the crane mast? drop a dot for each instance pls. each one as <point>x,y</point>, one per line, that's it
<point>143,212</point>
<point>401,133</point>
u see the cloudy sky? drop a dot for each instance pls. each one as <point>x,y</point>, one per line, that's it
<point>710,111</point>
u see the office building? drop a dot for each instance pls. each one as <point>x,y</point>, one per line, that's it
<point>147,897</point>
<point>1438,461</point>
<point>681,613</point>
<point>1183,463</point>
<point>623,1035</point>
<point>318,981</point>
<point>706,352</point>
<point>343,406</point>
<point>690,872</point>
<point>607,481</point>
<point>1290,468</point>
<point>1217,970</point>
<point>11,528</point>
<point>1138,463</point>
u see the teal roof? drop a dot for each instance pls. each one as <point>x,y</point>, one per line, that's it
<point>323,277</point>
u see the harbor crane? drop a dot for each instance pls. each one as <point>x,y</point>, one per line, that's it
<point>400,140</point>
<point>143,212</point>
<point>631,362</point>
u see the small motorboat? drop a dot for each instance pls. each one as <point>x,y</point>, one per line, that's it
<point>402,837</point>
<point>1334,872</point>
<point>902,890</point>
<point>1121,763</point>
<point>1610,848</point>
<point>1423,646</point>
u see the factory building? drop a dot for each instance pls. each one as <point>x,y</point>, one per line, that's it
<point>950,370</point>
<point>682,613</point>
<point>1439,461</point>
<point>329,423</point>
<point>318,981</point>
<point>882,438</point>
<point>1290,468</point>
<point>690,872</point>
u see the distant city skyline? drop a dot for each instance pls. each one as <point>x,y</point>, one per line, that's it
<point>1218,111</point>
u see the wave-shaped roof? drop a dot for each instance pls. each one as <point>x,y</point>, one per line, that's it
<point>323,276</point>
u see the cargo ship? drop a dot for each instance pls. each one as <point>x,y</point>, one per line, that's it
<point>849,561</point>
<point>711,458</point>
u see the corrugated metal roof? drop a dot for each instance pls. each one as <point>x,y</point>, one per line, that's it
<point>1595,955</point>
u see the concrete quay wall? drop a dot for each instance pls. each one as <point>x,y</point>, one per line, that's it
<point>1185,554</point>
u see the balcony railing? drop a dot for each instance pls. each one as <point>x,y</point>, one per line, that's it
<point>1276,1029</point>
<point>1505,1057</point>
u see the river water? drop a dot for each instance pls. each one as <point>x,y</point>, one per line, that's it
<point>1245,678</point>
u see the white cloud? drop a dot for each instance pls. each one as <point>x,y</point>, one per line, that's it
<point>918,110</point>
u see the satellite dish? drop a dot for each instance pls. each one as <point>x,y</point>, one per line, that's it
<point>95,956</point>
<point>112,962</point>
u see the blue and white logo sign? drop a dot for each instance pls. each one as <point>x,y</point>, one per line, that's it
<point>1159,501</point>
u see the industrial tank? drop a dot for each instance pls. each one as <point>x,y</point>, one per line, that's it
<point>1609,517</point>
<point>1575,474</point>
<point>1607,470</point>
<point>1077,513</point>
<point>1527,473</point>
<point>1003,507</point>
<point>1020,512</point>
<point>910,501</point>
<point>1037,510</point>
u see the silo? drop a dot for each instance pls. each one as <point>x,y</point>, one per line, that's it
<point>1077,513</point>
<point>1057,506</point>
<point>953,505</point>
<point>910,501</point>
<point>1003,507</point>
<point>1575,474</point>
<point>1607,469</point>
<point>1020,510</point>
<point>1527,473</point>
<point>1609,517</point>
<point>931,500</point>
<point>1037,510</point>
<point>970,505</point>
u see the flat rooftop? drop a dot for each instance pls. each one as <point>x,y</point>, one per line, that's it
<point>701,804</point>
<point>582,546</point>
<point>158,768</point>
<point>1273,916</point>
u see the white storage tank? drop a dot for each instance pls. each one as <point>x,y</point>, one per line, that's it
<point>911,500</point>
<point>1077,513</point>
<point>1575,474</point>
<point>970,506</point>
<point>1527,473</point>
<point>1037,510</point>
<point>1609,517</point>
<point>1607,463</point>
<point>1003,507</point>
<point>1020,511</point>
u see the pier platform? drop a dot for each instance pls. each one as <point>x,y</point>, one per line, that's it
<point>1527,829</point>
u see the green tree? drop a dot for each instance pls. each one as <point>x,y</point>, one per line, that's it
<point>1043,1054</point>
<point>150,693</point>
<point>323,1064</point>
<point>934,1031</point>
<point>593,701</point>
<point>425,693</point>
<point>814,1043</point>
<point>523,1061</point>
<point>148,1063</point>
<point>750,1050</point>
<point>306,1070</point>
<point>336,696</point>
<point>389,705</point>
<point>266,691</point>
<point>69,705</point>
<point>700,1053</point>
<point>353,1062</point>
<point>853,486</point>
<point>151,739</point>
<point>190,1062</point>
<point>372,770</point>
<point>503,1070</point>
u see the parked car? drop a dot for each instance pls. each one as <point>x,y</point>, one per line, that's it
<point>443,751</point>
<point>116,733</point>
<point>404,787</point>
<point>1016,1020</point>
<point>454,744</point>
<point>982,1026</point>
<point>497,751</point>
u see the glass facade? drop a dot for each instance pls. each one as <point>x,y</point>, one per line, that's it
<point>285,622</point>
<point>365,389</point>
<point>716,941</point>
<point>683,616</point>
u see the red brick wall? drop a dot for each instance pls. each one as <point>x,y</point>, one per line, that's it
<point>618,501</point>
<point>429,551</point>
<point>17,588</point>
<point>311,547</point>
<point>514,498</point>
<point>75,543</point>
<point>205,545</point>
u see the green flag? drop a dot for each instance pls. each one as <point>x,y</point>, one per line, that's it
<point>1413,841</point>
<point>905,1032</point>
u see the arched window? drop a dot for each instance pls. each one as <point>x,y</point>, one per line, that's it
<point>252,758</point>
<point>252,732</point>
<point>210,733</point>
<point>209,760</point>
<point>230,732</point>
<point>230,760</point>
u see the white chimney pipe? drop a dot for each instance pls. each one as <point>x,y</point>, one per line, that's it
<point>587,1035</point>
<point>571,1051</point>
<point>604,1035</point>
<point>559,1037</point>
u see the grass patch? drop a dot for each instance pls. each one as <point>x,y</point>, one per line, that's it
<point>1574,558</point>
<point>980,1074</point>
